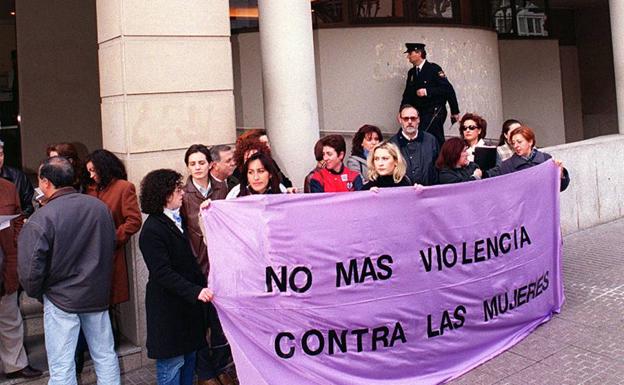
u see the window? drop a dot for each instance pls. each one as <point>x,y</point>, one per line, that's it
<point>519,17</point>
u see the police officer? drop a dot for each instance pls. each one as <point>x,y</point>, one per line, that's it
<point>428,89</point>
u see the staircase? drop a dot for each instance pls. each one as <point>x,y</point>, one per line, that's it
<point>32,313</point>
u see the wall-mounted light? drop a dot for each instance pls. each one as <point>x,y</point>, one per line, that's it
<point>12,13</point>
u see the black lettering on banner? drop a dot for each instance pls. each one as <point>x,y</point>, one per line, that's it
<point>446,321</point>
<point>356,274</point>
<point>284,279</point>
<point>341,341</point>
<point>398,334</point>
<point>380,334</point>
<point>278,349</point>
<point>305,342</point>
<point>503,302</point>
<point>359,333</point>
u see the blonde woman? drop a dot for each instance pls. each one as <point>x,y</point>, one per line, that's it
<point>386,167</point>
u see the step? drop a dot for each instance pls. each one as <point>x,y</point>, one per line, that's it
<point>129,359</point>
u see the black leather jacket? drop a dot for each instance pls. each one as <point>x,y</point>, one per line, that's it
<point>24,188</point>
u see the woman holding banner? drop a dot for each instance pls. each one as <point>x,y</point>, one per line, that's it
<point>176,288</point>
<point>259,176</point>
<point>386,167</point>
<point>526,156</point>
<point>453,164</point>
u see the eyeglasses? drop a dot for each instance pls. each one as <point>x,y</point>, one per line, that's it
<point>470,128</point>
<point>409,118</point>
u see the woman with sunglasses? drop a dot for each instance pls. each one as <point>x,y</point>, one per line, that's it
<point>453,164</point>
<point>472,129</point>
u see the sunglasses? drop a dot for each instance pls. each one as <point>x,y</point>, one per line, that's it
<point>409,118</point>
<point>470,128</point>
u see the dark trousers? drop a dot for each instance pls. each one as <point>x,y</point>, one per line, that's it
<point>432,121</point>
<point>217,355</point>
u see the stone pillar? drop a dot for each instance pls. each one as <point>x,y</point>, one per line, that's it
<point>165,82</point>
<point>289,84</point>
<point>616,8</point>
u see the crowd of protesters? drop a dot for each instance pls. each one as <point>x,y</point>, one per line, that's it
<point>71,250</point>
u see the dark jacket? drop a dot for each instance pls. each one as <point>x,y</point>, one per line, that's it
<point>457,175</point>
<point>420,155</point>
<point>24,188</point>
<point>383,181</point>
<point>517,163</point>
<point>439,89</point>
<point>175,317</point>
<point>65,251</point>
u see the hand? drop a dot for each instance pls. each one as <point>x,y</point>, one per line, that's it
<point>559,163</point>
<point>204,205</point>
<point>418,188</point>
<point>421,92</point>
<point>291,190</point>
<point>374,189</point>
<point>477,173</point>
<point>205,295</point>
<point>454,118</point>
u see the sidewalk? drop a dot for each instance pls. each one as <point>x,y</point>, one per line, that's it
<point>582,345</point>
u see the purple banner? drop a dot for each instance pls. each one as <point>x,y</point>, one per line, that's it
<point>403,286</point>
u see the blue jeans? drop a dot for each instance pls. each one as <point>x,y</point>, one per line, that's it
<point>177,370</point>
<point>61,335</point>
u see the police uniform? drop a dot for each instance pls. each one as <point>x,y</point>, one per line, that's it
<point>431,108</point>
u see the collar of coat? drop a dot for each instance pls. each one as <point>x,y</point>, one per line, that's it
<point>62,191</point>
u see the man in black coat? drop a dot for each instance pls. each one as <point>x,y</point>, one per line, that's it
<point>419,148</point>
<point>19,179</point>
<point>428,89</point>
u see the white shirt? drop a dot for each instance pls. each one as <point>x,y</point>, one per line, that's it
<point>174,215</point>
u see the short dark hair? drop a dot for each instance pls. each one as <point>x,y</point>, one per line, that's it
<point>58,170</point>
<point>506,127</point>
<point>406,106</point>
<point>360,135</point>
<point>481,123</point>
<point>156,187</point>
<point>318,150</point>
<point>216,150</point>
<point>108,167</point>
<point>197,148</point>
<point>336,142</point>
<point>269,164</point>
<point>423,53</point>
<point>449,153</point>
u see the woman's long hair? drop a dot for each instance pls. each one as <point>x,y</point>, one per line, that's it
<point>269,164</point>
<point>399,170</point>
<point>360,135</point>
<point>449,153</point>
<point>107,166</point>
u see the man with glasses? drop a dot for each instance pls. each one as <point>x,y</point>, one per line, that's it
<point>428,89</point>
<point>419,148</point>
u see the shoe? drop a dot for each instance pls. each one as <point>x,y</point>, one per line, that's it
<point>27,372</point>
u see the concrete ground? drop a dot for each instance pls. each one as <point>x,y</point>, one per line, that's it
<point>582,345</point>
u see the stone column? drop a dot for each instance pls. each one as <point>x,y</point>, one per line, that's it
<point>289,84</point>
<point>165,82</point>
<point>616,8</point>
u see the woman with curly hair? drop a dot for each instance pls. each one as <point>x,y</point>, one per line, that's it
<point>176,288</point>
<point>363,142</point>
<point>108,182</point>
<point>69,152</point>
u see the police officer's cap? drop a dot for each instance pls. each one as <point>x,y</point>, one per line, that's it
<point>414,47</point>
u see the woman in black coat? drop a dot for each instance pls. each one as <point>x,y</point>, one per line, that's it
<point>386,167</point>
<point>176,287</point>
<point>526,156</point>
<point>453,165</point>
